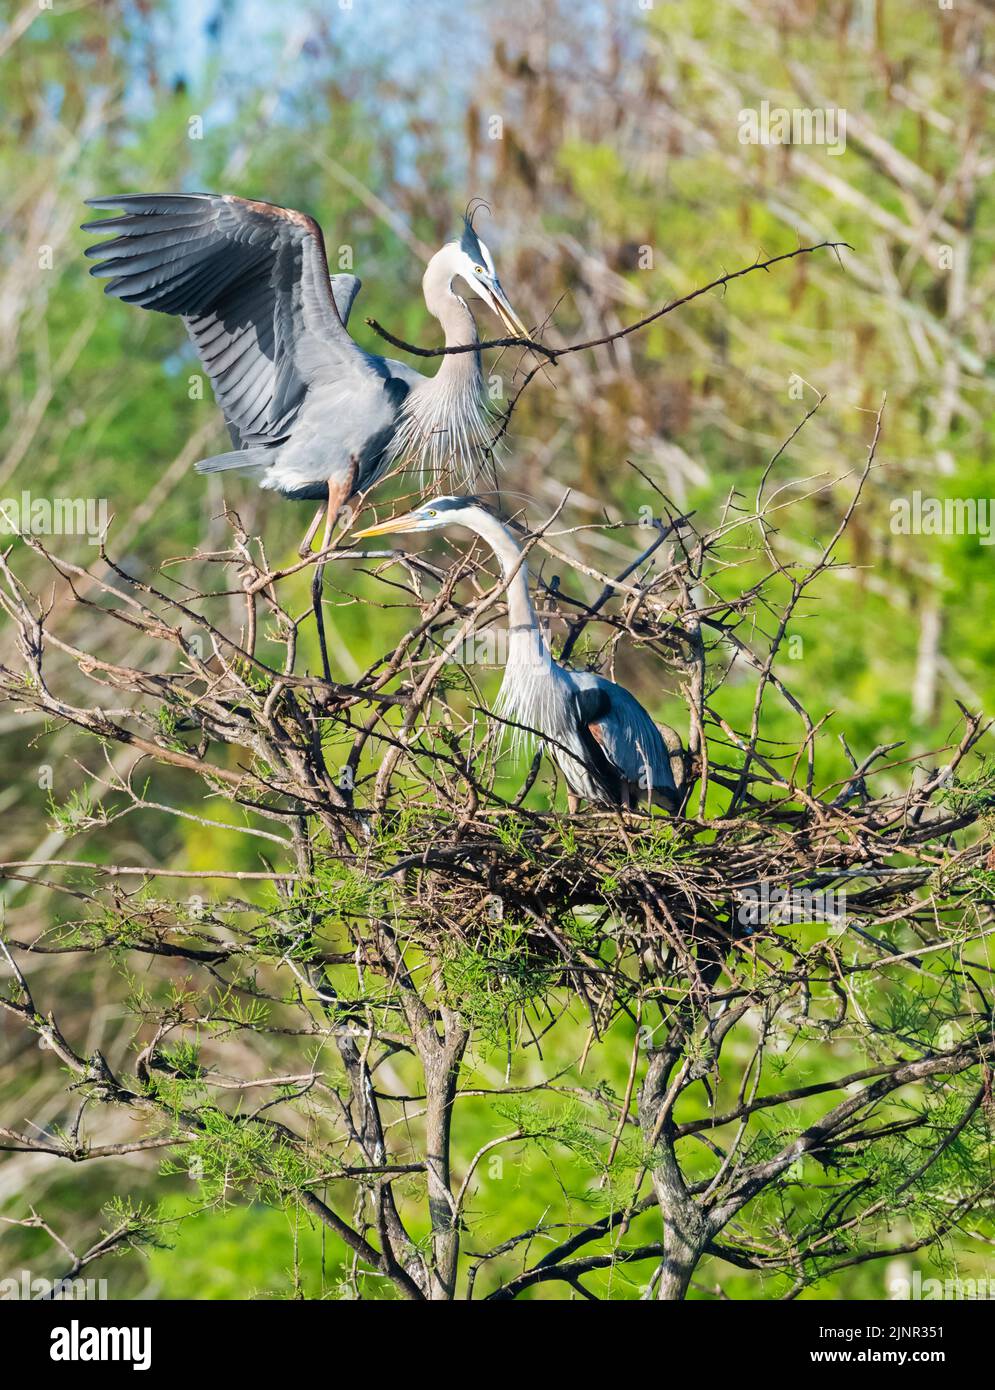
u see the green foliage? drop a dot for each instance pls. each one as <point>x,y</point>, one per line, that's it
<point>974,793</point>
<point>233,1161</point>
<point>568,1127</point>
<point>496,984</point>
<point>139,1223</point>
<point>74,813</point>
<point>334,892</point>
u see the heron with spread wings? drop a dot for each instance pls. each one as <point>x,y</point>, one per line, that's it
<point>310,413</point>
<point>606,745</point>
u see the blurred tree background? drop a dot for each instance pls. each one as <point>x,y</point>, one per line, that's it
<point>605,135</point>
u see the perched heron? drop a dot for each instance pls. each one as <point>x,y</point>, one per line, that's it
<point>311,415</point>
<point>605,744</point>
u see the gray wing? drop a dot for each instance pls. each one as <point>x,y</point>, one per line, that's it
<point>624,733</point>
<point>344,291</point>
<point>250,281</point>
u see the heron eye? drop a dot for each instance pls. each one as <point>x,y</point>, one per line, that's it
<point>479,269</point>
<point>428,513</point>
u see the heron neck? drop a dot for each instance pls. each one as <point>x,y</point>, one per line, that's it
<point>458,323</point>
<point>514,571</point>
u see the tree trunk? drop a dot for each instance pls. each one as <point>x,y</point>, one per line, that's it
<point>441,1076</point>
<point>685,1227</point>
<point>684,1240</point>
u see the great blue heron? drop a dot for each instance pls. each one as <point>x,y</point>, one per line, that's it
<point>605,744</point>
<point>310,414</point>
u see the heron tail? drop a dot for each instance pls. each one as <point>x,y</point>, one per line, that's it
<point>238,458</point>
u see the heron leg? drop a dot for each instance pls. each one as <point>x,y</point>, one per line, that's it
<point>338,494</point>
<point>573,803</point>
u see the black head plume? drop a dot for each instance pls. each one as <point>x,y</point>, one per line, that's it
<point>469,241</point>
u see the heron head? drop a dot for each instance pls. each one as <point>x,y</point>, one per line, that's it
<point>430,516</point>
<point>469,258</point>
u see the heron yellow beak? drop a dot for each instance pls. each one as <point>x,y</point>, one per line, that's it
<point>407,522</point>
<point>507,314</point>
